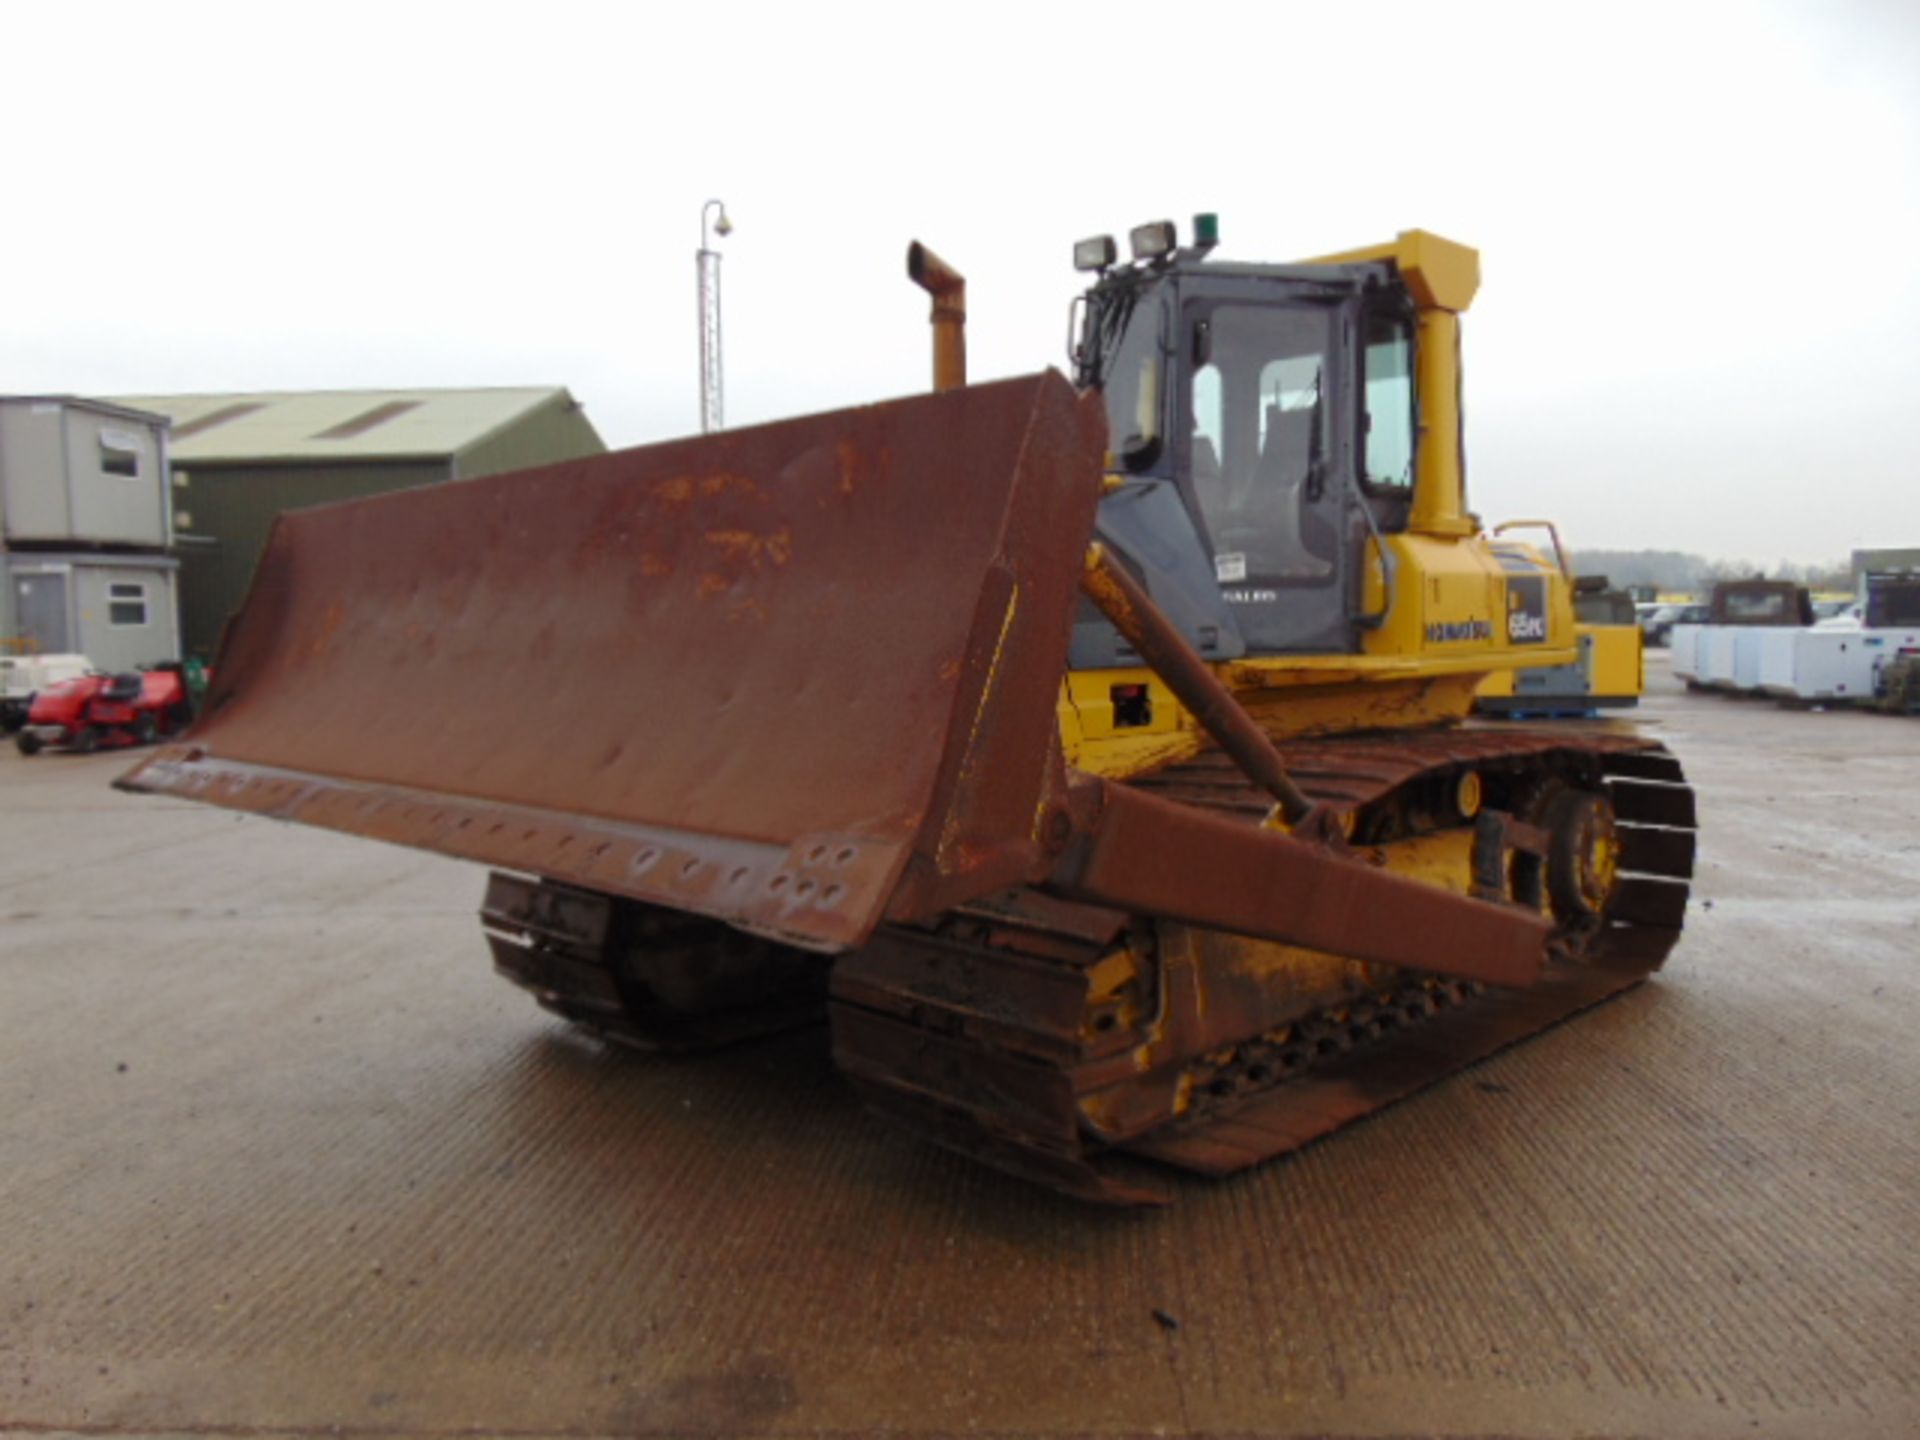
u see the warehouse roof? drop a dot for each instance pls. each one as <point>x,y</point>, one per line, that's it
<point>84,402</point>
<point>340,424</point>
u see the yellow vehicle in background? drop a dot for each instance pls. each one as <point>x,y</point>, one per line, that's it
<point>1098,755</point>
<point>1608,673</point>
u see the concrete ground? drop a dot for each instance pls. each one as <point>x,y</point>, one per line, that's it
<point>279,1154</point>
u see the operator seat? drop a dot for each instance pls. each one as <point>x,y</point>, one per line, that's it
<point>1280,502</point>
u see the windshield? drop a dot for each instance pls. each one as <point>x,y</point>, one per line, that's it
<point>1758,605</point>
<point>1131,387</point>
<point>1260,439</point>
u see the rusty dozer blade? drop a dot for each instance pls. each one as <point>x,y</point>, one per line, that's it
<point>796,678</point>
<point>751,675</point>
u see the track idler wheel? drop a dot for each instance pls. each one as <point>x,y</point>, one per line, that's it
<point>1583,854</point>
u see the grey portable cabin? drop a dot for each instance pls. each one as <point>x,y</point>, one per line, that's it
<point>86,527</point>
<point>119,610</point>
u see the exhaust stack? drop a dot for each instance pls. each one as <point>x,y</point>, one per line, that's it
<point>948,287</point>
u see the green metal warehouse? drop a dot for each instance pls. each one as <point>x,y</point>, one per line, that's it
<point>239,460</point>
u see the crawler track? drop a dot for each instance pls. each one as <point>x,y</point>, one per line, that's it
<point>991,1031</point>
<point>972,1032</point>
<point>642,975</point>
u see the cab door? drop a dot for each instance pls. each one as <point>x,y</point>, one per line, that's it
<point>1268,464</point>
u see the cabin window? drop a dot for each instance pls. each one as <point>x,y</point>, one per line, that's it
<point>1390,418</point>
<point>119,456</point>
<point>126,603</point>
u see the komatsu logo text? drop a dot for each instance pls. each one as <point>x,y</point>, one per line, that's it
<point>1442,632</point>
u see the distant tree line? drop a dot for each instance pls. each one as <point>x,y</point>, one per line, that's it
<point>1676,570</point>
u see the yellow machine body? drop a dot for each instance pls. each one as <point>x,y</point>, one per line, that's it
<point>1441,585</point>
<point>1444,639</point>
<point>1609,672</point>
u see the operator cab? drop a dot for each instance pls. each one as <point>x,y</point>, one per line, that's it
<point>1262,421</point>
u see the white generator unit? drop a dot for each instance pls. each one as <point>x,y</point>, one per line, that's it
<point>1832,666</point>
<point>1683,644</point>
<point>1726,657</point>
<point>1749,644</point>
<point>1837,662</point>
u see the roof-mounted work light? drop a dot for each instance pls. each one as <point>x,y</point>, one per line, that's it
<point>1095,254</point>
<point>1150,242</point>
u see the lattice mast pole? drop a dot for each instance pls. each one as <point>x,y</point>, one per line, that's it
<point>707,265</point>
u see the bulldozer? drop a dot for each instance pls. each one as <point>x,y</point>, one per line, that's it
<point>1094,752</point>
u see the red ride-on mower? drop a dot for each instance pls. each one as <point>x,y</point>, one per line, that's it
<point>96,711</point>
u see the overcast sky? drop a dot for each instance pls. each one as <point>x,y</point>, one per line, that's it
<point>1698,326</point>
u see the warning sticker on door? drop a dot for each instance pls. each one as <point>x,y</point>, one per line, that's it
<point>1229,568</point>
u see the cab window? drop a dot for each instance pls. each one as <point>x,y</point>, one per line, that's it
<point>1133,393</point>
<point>1389,423</point>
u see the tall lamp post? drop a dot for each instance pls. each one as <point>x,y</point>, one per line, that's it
<point>707,261</point>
